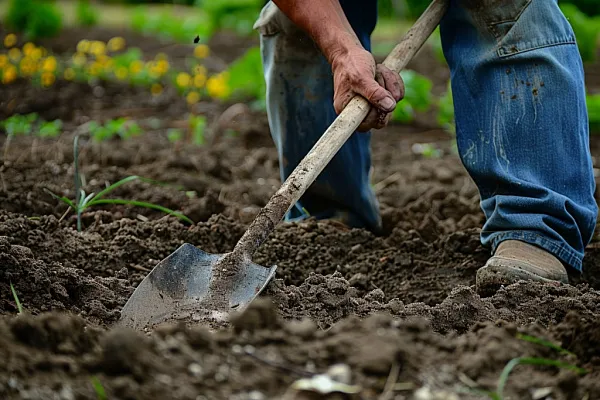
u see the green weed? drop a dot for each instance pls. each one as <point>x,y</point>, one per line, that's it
<point>17,301</point>
<point>498,393</point>
<point>98,388</point>
<point>83,201</point>
<point>119,127</point>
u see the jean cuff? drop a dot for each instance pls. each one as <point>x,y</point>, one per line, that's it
<point>563,252</point>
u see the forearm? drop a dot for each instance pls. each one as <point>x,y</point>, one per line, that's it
<point>324,21</point>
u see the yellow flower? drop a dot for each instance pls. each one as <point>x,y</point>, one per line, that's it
<point>161,56</point>
<point>10,40</point>
<point>200,70</point>
<point>156,89</point>
<point>192,98</point>
<point>217,86</point>
<point>48,79</point>
<point>121,73</point>
<point>199,80</point>
<point>136,66</point>
<point>36,54</point>
<point>183,79</point>
<point>9,75</point>
<point>201,51</point>
<point>14,54</point>
<point>95,69</point>
<point>79,59</point>
<point>28,48</point>
<point>97,48</point>
<point>116,44</point>
<point>27,66</point>
<point>3,60</point>
<point>69,74</point>
<point>83,46</point>
<point>49,64</point>
<point>162,67</point>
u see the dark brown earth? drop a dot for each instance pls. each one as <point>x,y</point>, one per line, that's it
<point>398,311</point>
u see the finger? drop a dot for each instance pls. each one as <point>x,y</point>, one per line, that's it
<point>376,94</point>
<point>341,100</point>
<point>392,81</point>
<point>376,119</point>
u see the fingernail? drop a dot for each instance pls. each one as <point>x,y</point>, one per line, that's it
<point>388,103</point>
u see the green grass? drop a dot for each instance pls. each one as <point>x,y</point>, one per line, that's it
<point>17,301</point>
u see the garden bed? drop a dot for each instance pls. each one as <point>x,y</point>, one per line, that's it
<point>398,310</point>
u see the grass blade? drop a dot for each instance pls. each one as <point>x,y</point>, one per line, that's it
<point>17,301</point>
<point>145,205</point>
<point>543,342</point>
<point>98,388</point>
<point>64,199</point>
<point>112,187</point>
<point>531,361</point>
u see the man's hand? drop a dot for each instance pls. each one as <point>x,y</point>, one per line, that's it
<point>354,69</point>
<point>355,72</point>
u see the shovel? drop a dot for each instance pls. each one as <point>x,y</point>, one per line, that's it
<point>195,286</point>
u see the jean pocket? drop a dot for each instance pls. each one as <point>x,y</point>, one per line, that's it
<point>498,15</point>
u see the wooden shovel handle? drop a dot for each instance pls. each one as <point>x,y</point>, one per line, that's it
<point>335,136</point>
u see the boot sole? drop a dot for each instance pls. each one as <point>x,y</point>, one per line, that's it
<point>490,278</point>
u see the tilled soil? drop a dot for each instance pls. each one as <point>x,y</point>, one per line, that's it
<point>395,315</point>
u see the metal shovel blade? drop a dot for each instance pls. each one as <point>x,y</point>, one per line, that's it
<point>176,287</point>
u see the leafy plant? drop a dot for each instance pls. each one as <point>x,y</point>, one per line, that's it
<point>50,129</point>
<point>83,201</point>
<point>169,26</point>
<point>87,15</point>
<point>235,15</point>
<point>417,96</point>
<point>174,135</point>
<point>445,116</point>
<point>37,19</point>
<point>593,106</point>
<point>246,76</point>
<point>587,31</point>
<point>590,7</point>
<point>17,301</point>
<point>120,127</point>
<point>19,124</point>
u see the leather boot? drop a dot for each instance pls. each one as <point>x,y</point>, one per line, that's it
<point>515,261</point>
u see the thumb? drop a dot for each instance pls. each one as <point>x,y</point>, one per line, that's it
<point>377,95</point>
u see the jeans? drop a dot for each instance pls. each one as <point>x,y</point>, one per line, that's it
<point>521,120</point>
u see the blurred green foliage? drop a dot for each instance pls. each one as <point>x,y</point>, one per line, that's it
<point>87,15</point>
<point>246,79</point>
<point>590,7</point>
<point>235,15</point>
<point>170,26</point>
<point>593,106</point>
<point>417,96</point>
<point>35,18</point>
<point>587,31</point>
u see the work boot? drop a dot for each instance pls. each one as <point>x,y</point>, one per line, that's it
<point>515,261</point>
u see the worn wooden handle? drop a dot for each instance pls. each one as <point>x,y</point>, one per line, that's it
<point>335,136</point>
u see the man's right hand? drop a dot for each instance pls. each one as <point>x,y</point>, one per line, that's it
<point>356,73</point>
